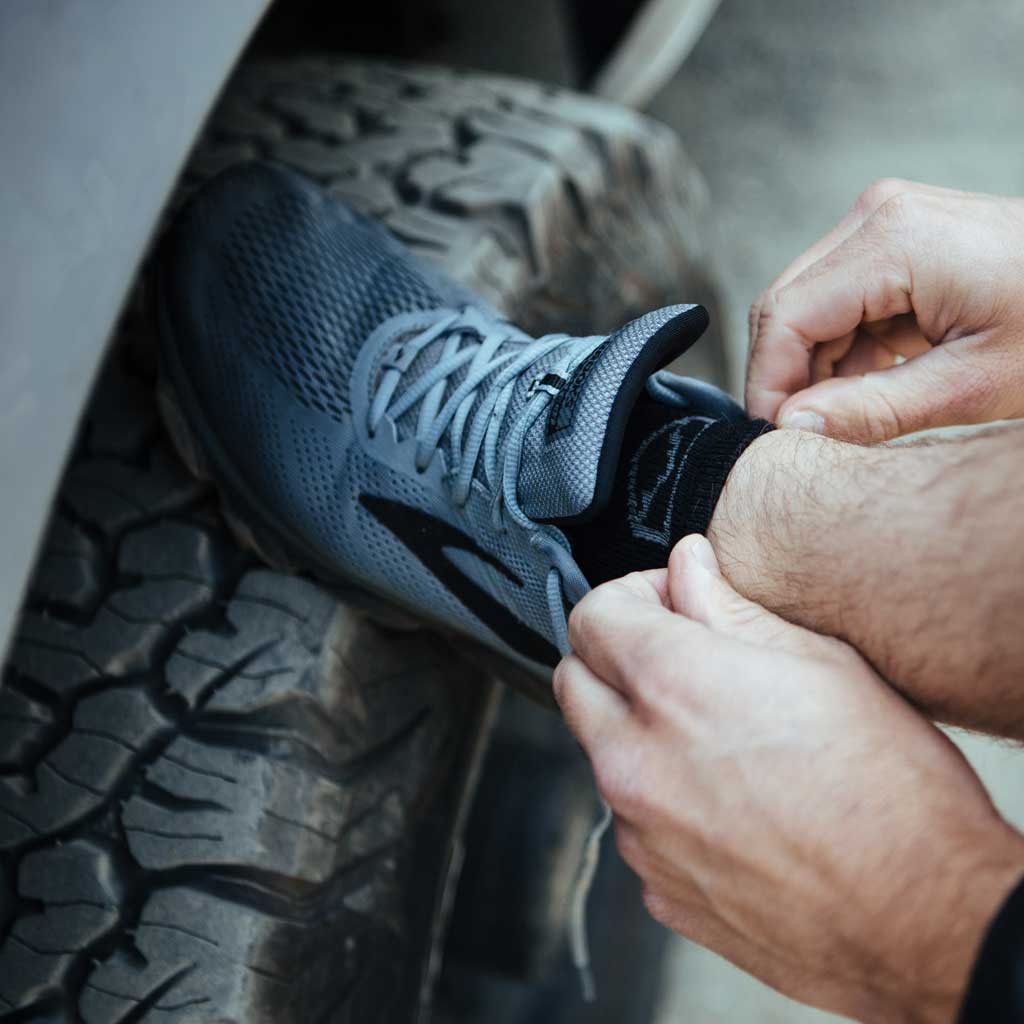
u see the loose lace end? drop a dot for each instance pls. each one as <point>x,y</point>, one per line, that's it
<point>578,943</point>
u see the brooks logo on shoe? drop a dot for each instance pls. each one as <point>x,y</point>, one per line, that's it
<point>563,408</point>
<point>428,538</point>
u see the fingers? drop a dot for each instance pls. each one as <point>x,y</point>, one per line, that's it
<point>640,635</point>
<point>875,346</point>
<point>866,277</point>
<point>867,255</point>
<point>611,736</point>
<point>624,630</point>
<point>932,390</point>
<point>648,585</point>
<point>866,204</point>
<point>594,712</point>
<point>699,591</point>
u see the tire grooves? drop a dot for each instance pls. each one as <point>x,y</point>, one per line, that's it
<point>605,236</point>
<point>280,898</point>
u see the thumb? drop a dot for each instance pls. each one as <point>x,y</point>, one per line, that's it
<point>937,389</point>
<point>698,590</point>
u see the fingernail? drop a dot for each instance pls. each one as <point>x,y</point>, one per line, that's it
<point>804,419</point>
<point>703,553</point>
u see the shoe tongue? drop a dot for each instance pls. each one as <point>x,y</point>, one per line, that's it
<point>571,453</point>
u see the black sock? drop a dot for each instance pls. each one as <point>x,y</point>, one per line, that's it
<point>671,473</point>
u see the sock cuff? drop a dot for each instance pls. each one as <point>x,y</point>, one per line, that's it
<point>709,462</point>
<point>670,479</point>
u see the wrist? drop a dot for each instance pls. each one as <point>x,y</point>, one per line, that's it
<point>995,988</point>
<point>932,954</point>
<point>770,555</point>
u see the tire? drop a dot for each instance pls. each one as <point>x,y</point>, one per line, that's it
<point>534,809</point>
<point>226,794</point>
<point>567,213</point>
<point>508,959</point>
<point>219,783</point>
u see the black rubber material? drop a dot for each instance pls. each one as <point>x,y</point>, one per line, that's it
<point>218,783</point>
<point>535,808</point>
<point>225,795</point>
<point>508,956</point>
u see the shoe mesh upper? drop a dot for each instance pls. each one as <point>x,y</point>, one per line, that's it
<point>308,296</point>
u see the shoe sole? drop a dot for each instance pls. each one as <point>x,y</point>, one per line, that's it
<point>257,531</point>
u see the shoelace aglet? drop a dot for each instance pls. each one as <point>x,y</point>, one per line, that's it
<point>587,983</point>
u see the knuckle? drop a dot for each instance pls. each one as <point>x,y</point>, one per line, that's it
<point>770,312</point>
<point>754,317</point>
<point>608,778</point>
<point>631,848</point>
<point>561,683</point>
<point>760,318</point>
<point>659,656</point>
<point>898,214</point>
<point>878,417</point>
<point>765,309</point>
<point>829,653</point>
<point>618,781</point>
<point>657,906</point>
<point>566,684</point>
<point>734,611</point>
<point>587,615</point>
<point>636,584</point>
<point>879,192</point>
<point>656,679</point>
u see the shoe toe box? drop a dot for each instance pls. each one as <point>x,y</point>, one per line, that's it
<point>264,269</point>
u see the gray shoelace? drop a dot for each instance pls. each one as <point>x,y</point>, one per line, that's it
<point>495,355</point>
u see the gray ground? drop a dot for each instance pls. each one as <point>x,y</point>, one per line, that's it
<point>791,107</point>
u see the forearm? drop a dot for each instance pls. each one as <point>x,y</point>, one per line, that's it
<point>913,553</point>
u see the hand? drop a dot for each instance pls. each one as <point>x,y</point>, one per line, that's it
<point>927,274</point>
<point>781,804</point>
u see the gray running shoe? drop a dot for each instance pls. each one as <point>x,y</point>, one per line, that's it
<point>372,422</point>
